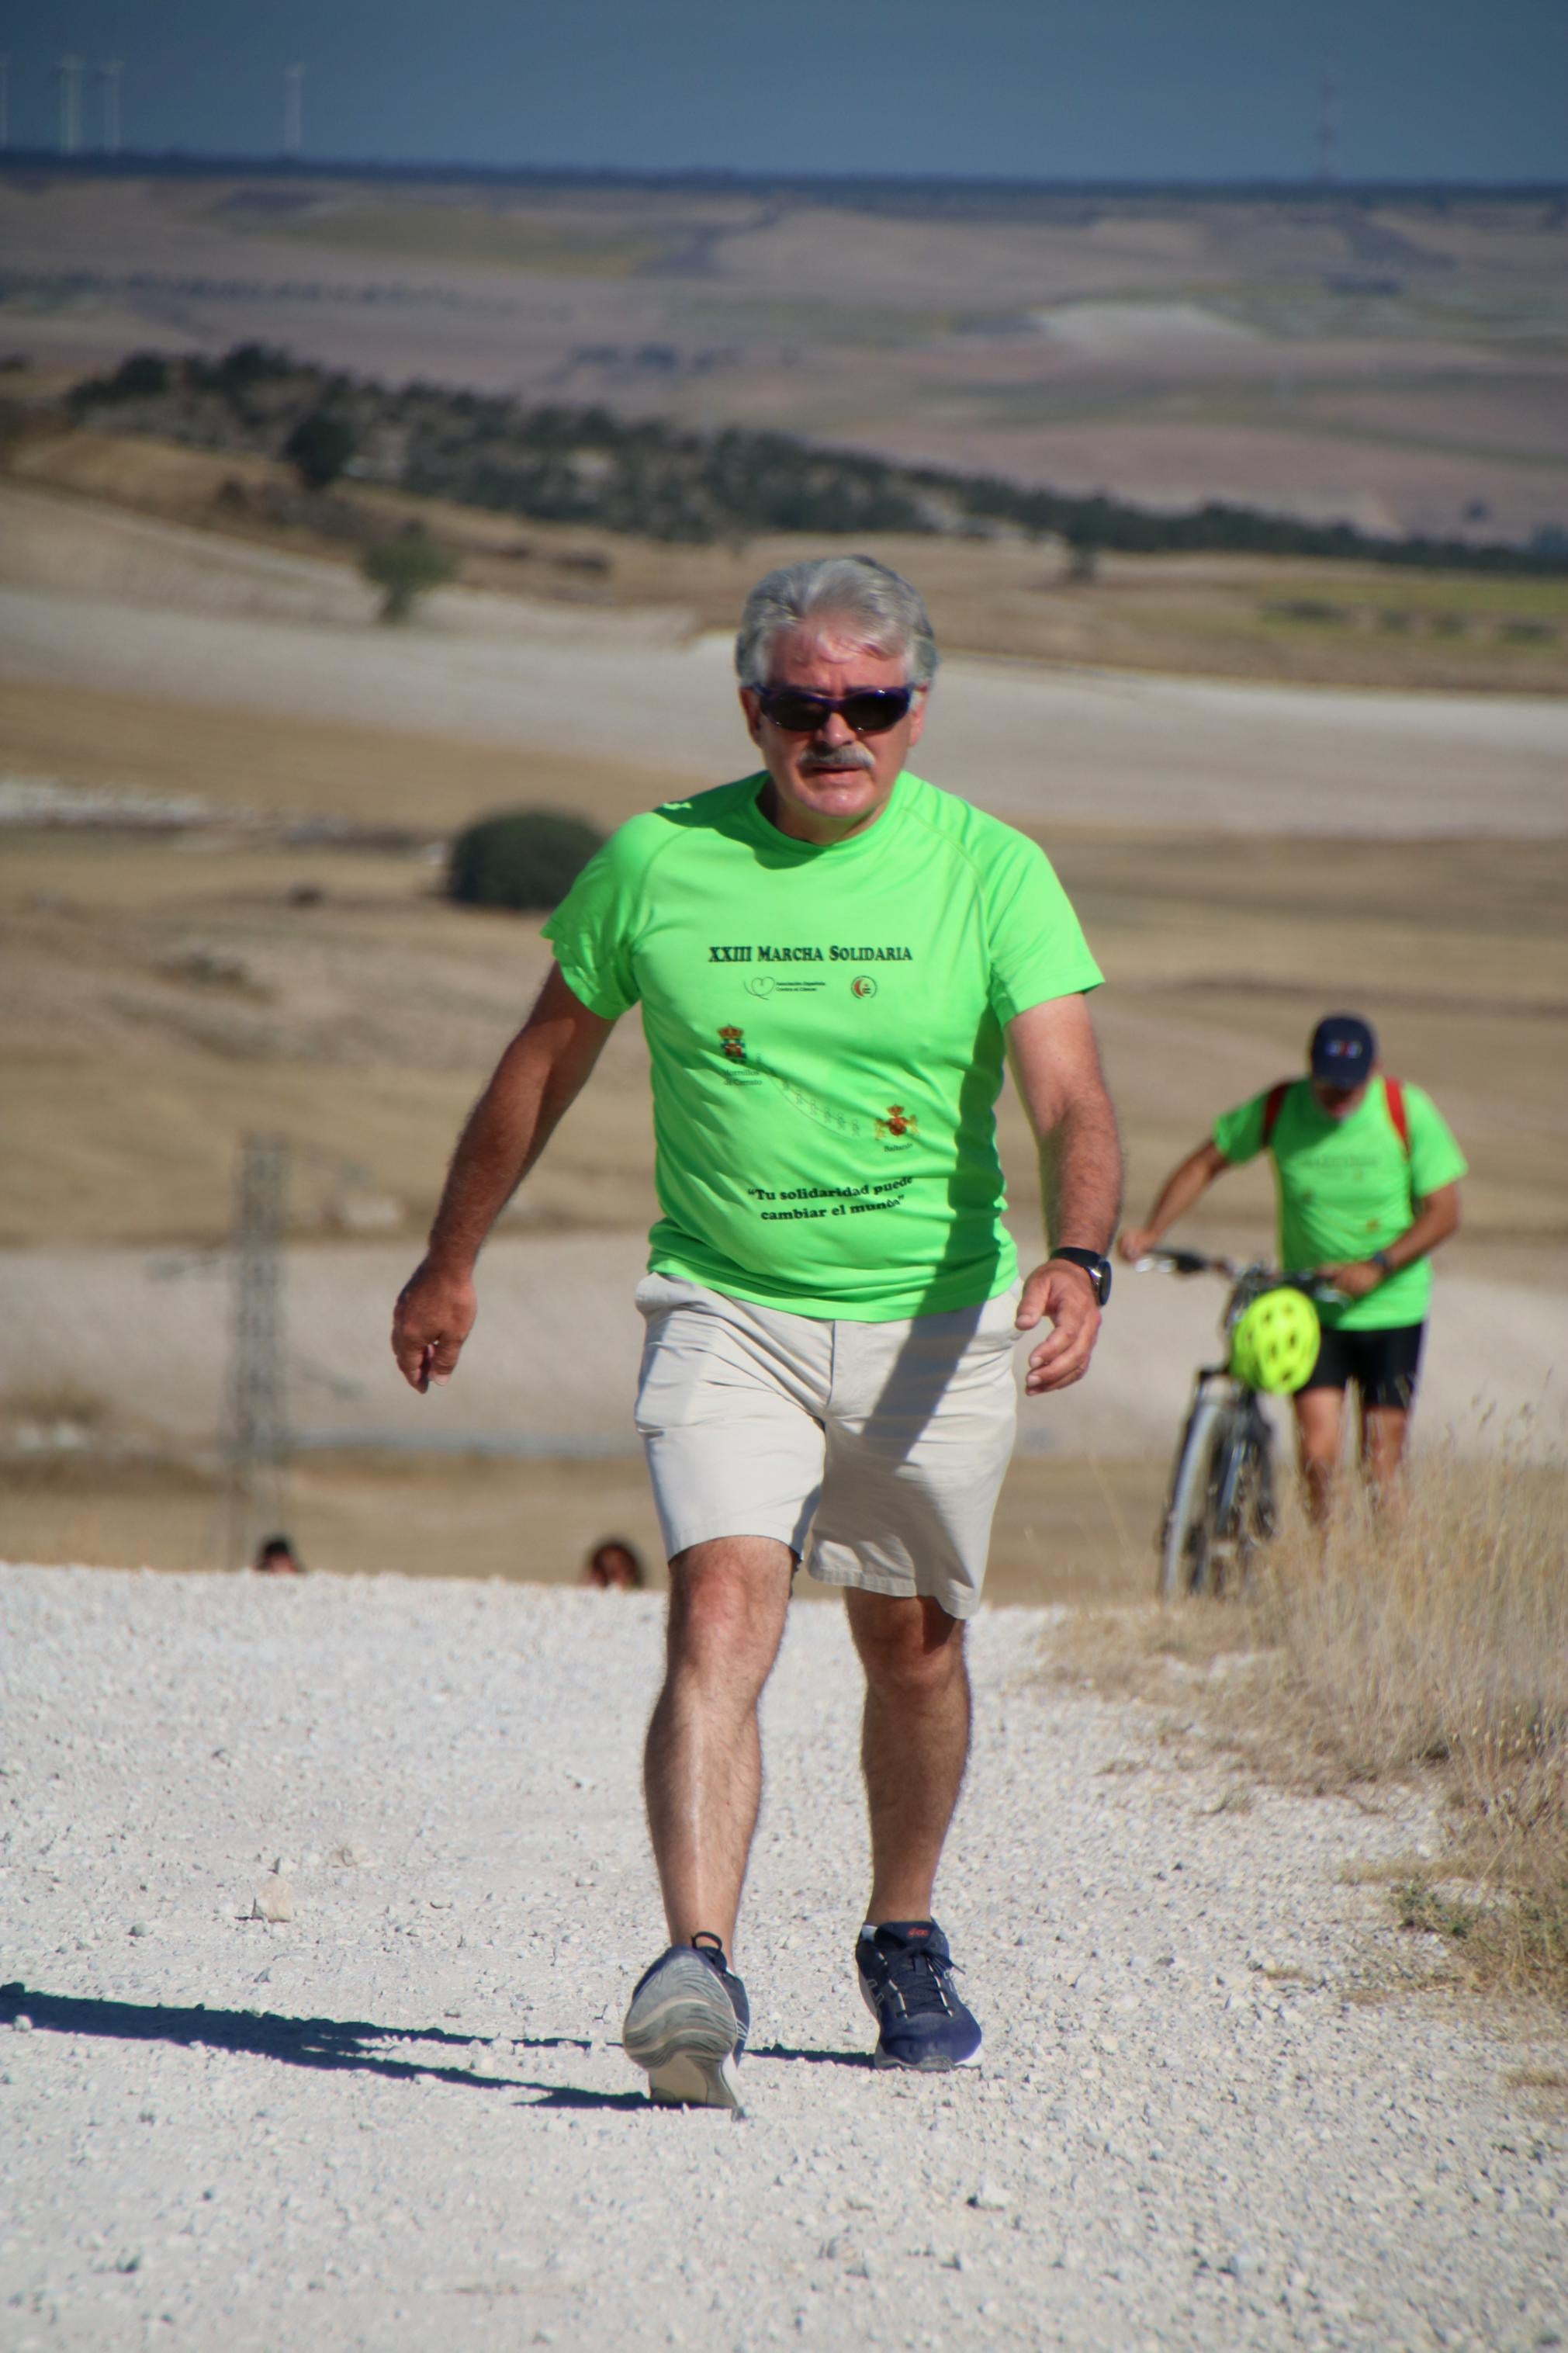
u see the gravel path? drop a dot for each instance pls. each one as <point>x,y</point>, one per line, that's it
<point>403,2120</point>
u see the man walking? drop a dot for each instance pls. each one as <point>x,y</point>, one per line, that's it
<point>1368,1175</point>
<point>833,960</point>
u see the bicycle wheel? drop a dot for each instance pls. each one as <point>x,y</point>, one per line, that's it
<point>1187,1540</point>
<point>1243,1509</point>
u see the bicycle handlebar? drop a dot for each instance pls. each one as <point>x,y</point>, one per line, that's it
<point>1184,1262</point>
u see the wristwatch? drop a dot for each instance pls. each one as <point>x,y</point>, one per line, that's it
<point>1380,1260</point>
<point>1097,1268</point>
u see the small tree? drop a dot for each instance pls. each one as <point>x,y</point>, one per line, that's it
<point>1083,554</point>
<point>519,858</point>
<point>318,447</point>
<point>405,568</point>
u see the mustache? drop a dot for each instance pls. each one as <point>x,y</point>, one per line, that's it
<point>844,756</point>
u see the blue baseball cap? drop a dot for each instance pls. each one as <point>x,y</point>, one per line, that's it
<point>1344,1049</point>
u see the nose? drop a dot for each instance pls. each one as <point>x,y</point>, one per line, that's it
<point>834,732</point>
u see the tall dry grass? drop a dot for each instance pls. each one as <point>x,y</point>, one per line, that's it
<point>1437,1644</point>
<point>1442,1640</point>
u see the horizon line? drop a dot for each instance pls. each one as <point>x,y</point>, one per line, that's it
<point>137,163</point>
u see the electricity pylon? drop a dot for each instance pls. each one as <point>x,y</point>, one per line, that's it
<point>257,1428</point>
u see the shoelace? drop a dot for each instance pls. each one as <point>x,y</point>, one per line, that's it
<point>921,1980</point>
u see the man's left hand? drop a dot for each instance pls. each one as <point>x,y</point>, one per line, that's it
<point>1356,1280</point>
<point>1063,1294</point>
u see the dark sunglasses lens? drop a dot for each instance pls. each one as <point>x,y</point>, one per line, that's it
<point>797,714</point>
<point>873,712</point>
<point>870,713</point>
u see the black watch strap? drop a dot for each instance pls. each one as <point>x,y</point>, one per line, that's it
<point>1097,1268</point>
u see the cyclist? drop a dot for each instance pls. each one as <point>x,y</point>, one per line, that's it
<point>1368,1176</point>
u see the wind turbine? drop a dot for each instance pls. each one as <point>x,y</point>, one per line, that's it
<point>108,75</point>
<point>293,109</point>
<point>5,103</point>
<point>68,72</point>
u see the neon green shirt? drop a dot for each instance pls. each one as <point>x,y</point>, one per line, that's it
<point>825,1026</point>
<point>1347,1187</point>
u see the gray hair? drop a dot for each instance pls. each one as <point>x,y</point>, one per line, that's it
<point>876,606</point>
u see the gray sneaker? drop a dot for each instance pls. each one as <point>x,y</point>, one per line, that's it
<point>687,2025</point>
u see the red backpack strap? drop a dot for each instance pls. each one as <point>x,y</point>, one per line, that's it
<point>1273,1104</point>
<point>1394,1095</point>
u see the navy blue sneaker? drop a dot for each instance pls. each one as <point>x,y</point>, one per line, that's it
<point>906,1976</point>
<point>687,2026</point>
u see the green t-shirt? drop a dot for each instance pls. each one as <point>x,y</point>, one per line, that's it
<point>825,1026</point>
<point>1348,1188</point>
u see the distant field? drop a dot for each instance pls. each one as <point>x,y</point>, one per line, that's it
<point>1397,362</point>
<point>1065,1530</point>
<point>364,1020</point>
<point>1238,616</point>
<point>470,233</point>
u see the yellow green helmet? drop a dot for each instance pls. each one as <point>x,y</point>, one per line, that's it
<point>1275,1343</point>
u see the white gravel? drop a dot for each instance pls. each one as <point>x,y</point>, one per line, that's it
<point>401,2120</point>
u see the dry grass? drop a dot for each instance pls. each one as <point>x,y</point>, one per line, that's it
<point>1438,1648</point>
<point>1445,1644</point>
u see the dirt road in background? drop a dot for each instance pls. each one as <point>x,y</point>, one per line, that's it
<point>552,1363</point>
<point>1034,745</point>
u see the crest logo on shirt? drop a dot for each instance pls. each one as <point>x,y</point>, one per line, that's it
<point>733,1043</point>
<point>897,1129</point>
<point>863,985</point>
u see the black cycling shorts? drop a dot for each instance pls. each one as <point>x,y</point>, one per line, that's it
<point>1385,1365</point>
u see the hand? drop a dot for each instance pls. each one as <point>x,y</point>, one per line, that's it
<point>1065,1295</point>
<point>1134,1243</point>
<point>1356,1280</point>
<point>434,1315</point>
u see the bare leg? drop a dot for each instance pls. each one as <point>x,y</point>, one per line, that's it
<point>1320,1432</point>
<point>704,1770</point>
<point>1383,1431</point>
<point>914,1743</point>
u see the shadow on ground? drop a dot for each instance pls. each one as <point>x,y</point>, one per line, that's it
<point>329,2042</point>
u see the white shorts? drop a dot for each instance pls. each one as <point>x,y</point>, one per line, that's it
<point>875,1452</point>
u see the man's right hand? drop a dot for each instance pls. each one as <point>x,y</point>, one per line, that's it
<point>434,1315</point>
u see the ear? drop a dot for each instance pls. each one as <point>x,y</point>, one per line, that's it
<point>752,710</point>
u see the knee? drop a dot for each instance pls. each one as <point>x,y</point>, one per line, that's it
<point>719,1621</point>
<point>912,1650</point>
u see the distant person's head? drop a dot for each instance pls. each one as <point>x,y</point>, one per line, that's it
<point>834,659</point>
<point>1342,1056</point>
<point>277,1558</point>
<point>615,1567</point>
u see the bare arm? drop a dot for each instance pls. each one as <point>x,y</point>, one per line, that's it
<point>535,1081</point>
<point>1180,1189</point>
<point>1435,1219</point>
<point>1055,1066</point>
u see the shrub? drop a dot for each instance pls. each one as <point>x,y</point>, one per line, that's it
<point>519,858</point>
<point>405,568</point>
<point>318,447</point>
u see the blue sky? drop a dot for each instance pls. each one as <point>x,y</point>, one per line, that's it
<point>1114,88</point>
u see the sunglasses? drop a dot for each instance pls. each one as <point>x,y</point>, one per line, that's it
<point>869,709</point>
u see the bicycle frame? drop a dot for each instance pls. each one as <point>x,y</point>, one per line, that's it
<point>1220,1507</point>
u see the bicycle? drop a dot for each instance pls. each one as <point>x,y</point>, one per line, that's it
<point>1221,1508</point>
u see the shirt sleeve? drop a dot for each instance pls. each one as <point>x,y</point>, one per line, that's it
<point>593,931</point>
<point>1037,949</point>
<point>1436,1159</point>
<point>1239,1133</point>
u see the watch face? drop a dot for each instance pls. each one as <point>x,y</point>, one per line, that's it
<point>1096,1269</point>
